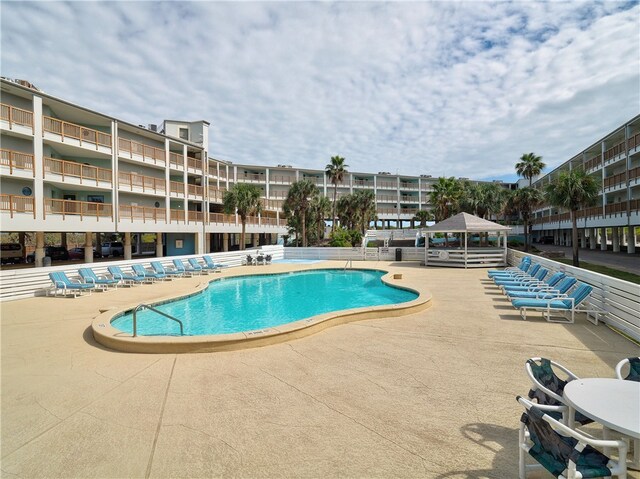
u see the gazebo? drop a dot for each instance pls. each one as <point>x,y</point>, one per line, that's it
<point>462,254</point>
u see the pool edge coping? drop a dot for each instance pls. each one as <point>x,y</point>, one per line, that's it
<point>105,334</point>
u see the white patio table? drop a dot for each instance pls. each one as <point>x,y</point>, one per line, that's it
<point>614,403</point>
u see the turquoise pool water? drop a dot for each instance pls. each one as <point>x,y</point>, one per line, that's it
<point>247,303</point>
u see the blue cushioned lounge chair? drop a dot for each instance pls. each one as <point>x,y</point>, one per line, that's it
<point>89,276</point>
<point>126,278</point>
<point>62,283</point>
<point>142,271</point>
<point>159,269</point>
<point>185,271</point>
<point>523,266</point>
<point>548,283</point>
<point>529,273</point>
<point>545,293</point>
<point>568,304</point>
<point>536,278</point>
<point>195,266</point>
<point>634,369</point>
<point>210,265</point>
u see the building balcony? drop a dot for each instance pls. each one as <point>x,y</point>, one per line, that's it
<point>141,184</point>
<point>278,194</point>
<point>194,165</point>
<point>16,205</point>
<point>16,163</point>
<point>386,199</point>
<point>142,214</point>
<point>195,216</point>
<point>176,189</point>
<point>252,178</point>
<point>616,181</point>
<point>76,135</point>
<point>77,209</point>
<point>76,173</point>
<point>409,186</point>
<point>634,176</point>
<point>283,179</point>
<point>216,194</point>
<point>409,199</point>
<point>316,180</point>
<point>386,185</point>
<point>177,216</point>
<point>271,205</point>
<point>222,219</point>
<point>195,192</point>
<point>616,209</point>
<point>615,153</point>
<point>593,164</point>
<point>363,183</point>
<point>141,152</point>
<point>176,161</point>
<point>16,119</point>
<point>634,142</point>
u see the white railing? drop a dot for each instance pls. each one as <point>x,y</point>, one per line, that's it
<point>29,282</point>
<point>619,299</point>
<point>359,254</point>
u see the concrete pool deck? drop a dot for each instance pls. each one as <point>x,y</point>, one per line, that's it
<point>431,394</point>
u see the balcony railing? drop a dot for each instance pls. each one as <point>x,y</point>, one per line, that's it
<point>195,190</point>
<point>253,220</point>
<point>148,184</point>
<point>614,151</point>
<point>77,208</point>
<point>634,173</point>
<point>634,141</point>
<point>593,163</point>
<point>17,204</point>
<point>176,216</point>
<point>216,194</point>
<point>72,169</point>
<point>149,153</point>
<point>283,194</point>
<point>194,163</point>
<point>408,211</point>
<point>409,199</point>
<point>387,184</point>
<point>16,115</point>
<point>616,209</point>
<point>408,186</point>
<point>176,160</point>
<point>221,218</point>
<point>176,187</point>
<point>268,221</point>
<point>387,199</point>
<point>634,205</point>
<point>16,160</point>
<point>282,179</point>
<point>195,216</point>
<point>363,183</point>
<point>593,212</point>
<point>615,180</point>
<point>272,205</point>
<point>253,177</point>
<point>142,213</point>
<point>77,132</point>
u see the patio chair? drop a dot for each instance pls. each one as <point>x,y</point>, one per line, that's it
<point>544,292</point>
<point>267,259</point>
<point>249,261</point>
<point>178,265</point>
<point>549,283</point>
<point>126,278</point>
<point>62,283</point>
<point>260,260</point>
<point>529,273</point>
<point>160,269</point>
<point>142,271</point>
<point>564,452</point>
<point>634,369</point>
<point>560,305</point>
<point>103,282</point>
<point>195,266</point>
<point>536,278</point>
<point>525,260</point>
<point>548,388</point>
<point>210,265</point>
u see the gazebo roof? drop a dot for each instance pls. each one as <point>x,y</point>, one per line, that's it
<point>465,222</point>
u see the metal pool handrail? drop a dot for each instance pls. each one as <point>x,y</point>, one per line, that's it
<point>142,306</point>
<point>349,263</point>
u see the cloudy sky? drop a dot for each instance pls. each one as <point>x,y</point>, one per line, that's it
<point>440,88</point>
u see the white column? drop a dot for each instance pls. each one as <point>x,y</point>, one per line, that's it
<point>159,245</point>
<point>127,245</point>
<point>38,165</point>
<point>631,240</point>
<point>225,242</point>
<point>88,247</point>
<point>583,237</point>
<point>603,239</point>
<point>615,239</point>
<point>39,254</point>
<point>593,238</point>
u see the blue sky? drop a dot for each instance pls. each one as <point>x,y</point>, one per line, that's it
<point>442,88</point>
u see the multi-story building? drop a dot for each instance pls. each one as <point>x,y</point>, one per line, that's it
<point>614,161</point>
<point>65,168</point>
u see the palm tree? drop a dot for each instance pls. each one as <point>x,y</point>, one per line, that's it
<point>525,200</point>
<point>320,209</point>
<point>336,170</point>
<point>297,203</point>
<point>347,211</point>
<point>365,204</point>
<point>530,165</point>
<point>244,199</point>
<point>423,216</point>
<point>446,197</point>
<point>573,190</point>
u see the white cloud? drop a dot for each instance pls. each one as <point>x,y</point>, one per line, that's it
<point>442,88</point>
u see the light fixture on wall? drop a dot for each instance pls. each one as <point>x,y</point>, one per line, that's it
<point>27,191</point>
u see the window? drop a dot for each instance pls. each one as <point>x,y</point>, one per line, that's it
<point>184,133</point>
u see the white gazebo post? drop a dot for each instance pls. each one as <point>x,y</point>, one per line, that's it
<point>504,246</point>
<point>465,249</point>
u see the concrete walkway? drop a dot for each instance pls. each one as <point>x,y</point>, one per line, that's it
<point>622,261</point>
<point>430,395</point>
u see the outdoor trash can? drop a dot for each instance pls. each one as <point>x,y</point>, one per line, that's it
<point>398,254</point>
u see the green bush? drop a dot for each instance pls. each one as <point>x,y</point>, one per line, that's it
<point>342,238</point>
<point>514,243</point>
<point>372,244</point>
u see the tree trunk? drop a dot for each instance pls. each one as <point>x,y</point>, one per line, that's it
<point>526,235</point>
<point>333,210</point>
<point>244,224</point>
<point>304,229</point>
<point>574,238</point>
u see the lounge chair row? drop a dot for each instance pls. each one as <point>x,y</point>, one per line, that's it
<point>258,260</point>
<point>89,280</point>
<point>533,287</point>
<point>549,429</point>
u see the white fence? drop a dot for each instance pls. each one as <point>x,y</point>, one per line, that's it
<point>29,282</point>
<point>619,299</point>
<point>360,254</point>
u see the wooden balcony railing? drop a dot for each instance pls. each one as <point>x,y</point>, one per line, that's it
<point>408,211</point>
<point>195,216</point>
<point>593,163</point>
<point>252,177</point>
<point>634,141</point>
<point>148,184</point>
<point>615,180</point>
<point>409,199</point>
<point>195,190</point>
<point>142,213</point>
<point>386,199</point>
<point>268,221</point>
<point>176,160</point>
<point>72,169</point>
<point>176,187</point>
<point>77,208</point>
<point>272,205</point>
<point>408,186</point>
<point>194,163</point>
<point>176,216</point>
<point>253,220</point>
<point>16,160</point>
<point>616,209</point>
<point>387,184</point>
<point>221,218</point>
<point>16,115</point>
<point>78,132</point>
<point>149,153</point>
<point>282,179</point>
<point>593,212</point>
<point>216,194</point>
<point>634,173</point>
<point>363,183</point>
<point>283,194</point>
<point>614,151</point>
<point>17,204</point>
<point>634,205</point>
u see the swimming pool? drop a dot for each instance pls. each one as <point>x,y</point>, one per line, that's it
<point>246,303</point>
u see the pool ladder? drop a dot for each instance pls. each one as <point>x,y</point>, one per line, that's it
<point>349,264</point>
<point>143,306</point>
